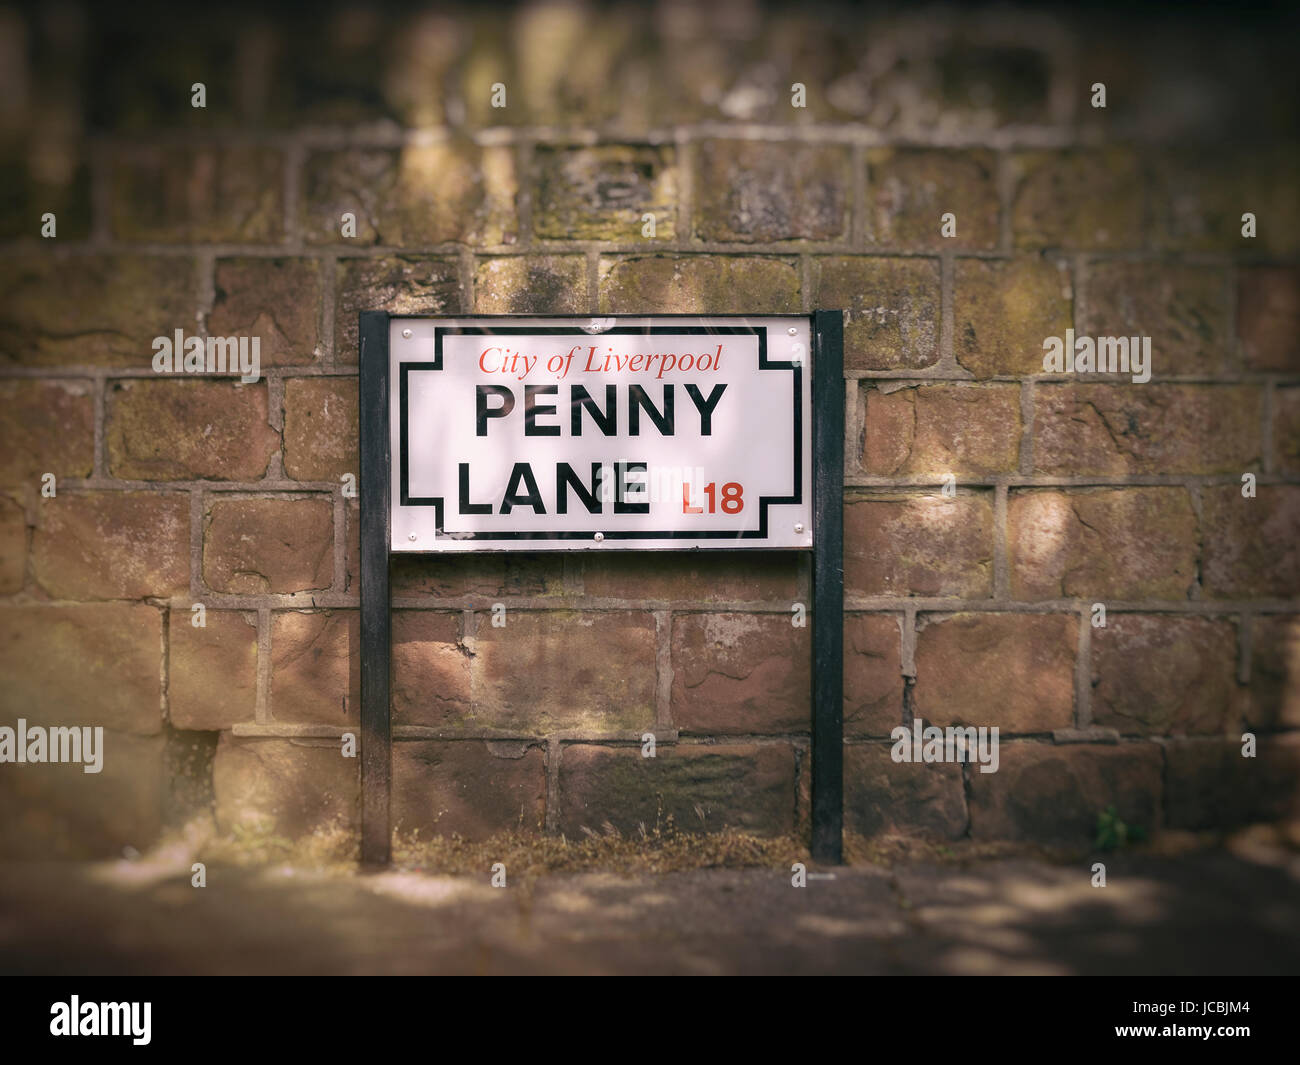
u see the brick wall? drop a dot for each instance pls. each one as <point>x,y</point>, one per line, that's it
<point>975,609</point>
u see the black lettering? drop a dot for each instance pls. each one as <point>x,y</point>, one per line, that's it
<point>466,507</point>
<point>565,479</point>
<point>532,410</point>
<point>621,480</point>
<point>532,498</point>
<point>483,412</point>
<point>606,420</point>
<point>705,406</point>
<point>638,400</point>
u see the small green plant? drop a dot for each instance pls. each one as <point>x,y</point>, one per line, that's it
<point>1113,833</point>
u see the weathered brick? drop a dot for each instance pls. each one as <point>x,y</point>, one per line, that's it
<point>316,667</point>
<point>887,798</point>
<point>1155,675</point>
<point>702,72</point>
<point>1273,697</point>
<point>413,197</point>
<point>891,309</point>
<point>46,172</point>
<point>1015,671</point>
<point>1268,317</point>
<point>97,664</point>
<point>533,674</point>
<point>45,427</point>
<point>758,191</point>
<point>275,300</point>
<point>549,284</point>
<point>60,811</point>
<point>698,284</point>
<point>1052,795</point>
<point>1198,200</point>
<point>933,430</point>
<point>321,428</point>
<point>341,69</point>
<point>910,189</point>
<point>188,193</point>
<point>469,788</point>
<point>1183,309</point>
<point>922,81</point>
<point>187,770</point>
<point>497,575</point>
<point>1119,429</point>
<point>91,310</point>
<point>1209,784</point>
<point>602,193</point>
<point>740,673</point>
<point>13,546</point>
<point>710,72</point>
<point>1077,199</point>
<point>113,545</point>
<point>486,61</point>
<point>176,430</point>
<point>352,546</point>
<point>255,546</point>
<point>714,577</point>
<point>400,286</point>
<point>919,545</point>
<point>212,672</point>
<point>1270,177</point>
<point>1003,311</point>
<point>984,83</point>
<point>1131,543</point>
<point>749,787</point>
<point>873,674</point>
<point>558,62</point>
<point>431,680</point>
<point>141,70</point>
<point>422,53</point>
<point>1250,545</point>
<point>1286,430</point>
<point>291,788</point>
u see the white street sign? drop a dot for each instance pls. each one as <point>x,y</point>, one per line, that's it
<point>545,434</point>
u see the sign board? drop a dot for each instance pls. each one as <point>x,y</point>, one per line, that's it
<point>493,433</point>
<point>526,434</point>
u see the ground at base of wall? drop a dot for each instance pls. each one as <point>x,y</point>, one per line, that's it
<point>1016,915</point>
<point>666,849</point>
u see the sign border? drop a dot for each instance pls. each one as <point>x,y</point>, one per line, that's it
<point>764,363</point>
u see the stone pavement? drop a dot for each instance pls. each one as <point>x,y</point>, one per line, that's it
<point>1207,912</point>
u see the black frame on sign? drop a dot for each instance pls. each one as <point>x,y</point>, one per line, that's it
<point>376,477</point>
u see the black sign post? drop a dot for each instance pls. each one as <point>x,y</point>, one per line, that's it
<point>376,620</point>
<point>828,588</point>
<point>376,476</point>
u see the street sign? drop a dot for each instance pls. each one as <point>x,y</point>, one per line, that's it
<point>546,434</point>
<point>637,432</point>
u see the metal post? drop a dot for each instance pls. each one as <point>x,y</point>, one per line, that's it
<point>828,588</point>
<point>376,626</point>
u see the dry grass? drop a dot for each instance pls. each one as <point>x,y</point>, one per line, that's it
<point>332,847</point>
<point>663,849</point>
